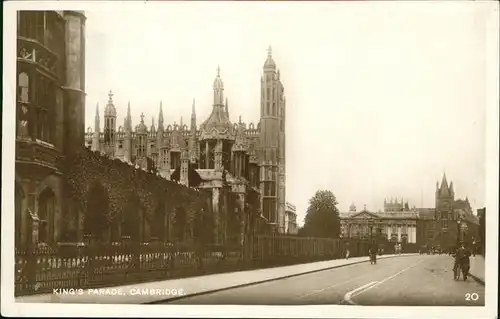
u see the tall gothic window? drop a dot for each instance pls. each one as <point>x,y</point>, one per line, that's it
<point>164,158</point>
<point>23,106</point>
<point>25,25</point>
<point>203,155</point>
<point>23,87</point>
<point>211,154</point>
<point>45,99</point>
<point>40,26</point>
<point>175,160</point>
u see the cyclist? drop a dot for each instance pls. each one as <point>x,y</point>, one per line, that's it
<point>462,255</point>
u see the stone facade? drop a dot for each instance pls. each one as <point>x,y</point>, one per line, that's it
<point>394,226</point>
<point>50,108</point>
<point>451,221</point>
<point>229,159</point>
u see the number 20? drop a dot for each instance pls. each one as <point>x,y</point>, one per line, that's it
<point>471,296</point>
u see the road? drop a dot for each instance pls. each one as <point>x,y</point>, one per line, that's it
<point>421,280</point>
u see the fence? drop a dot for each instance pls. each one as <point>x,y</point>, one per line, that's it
<point>265,251</point>
<point>41,269</point>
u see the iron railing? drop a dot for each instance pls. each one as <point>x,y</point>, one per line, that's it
<point>42,269</point>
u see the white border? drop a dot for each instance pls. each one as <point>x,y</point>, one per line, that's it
<point>10,308</point>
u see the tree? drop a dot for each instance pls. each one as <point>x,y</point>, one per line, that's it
<point>322,216</point>
<point>482,228</point>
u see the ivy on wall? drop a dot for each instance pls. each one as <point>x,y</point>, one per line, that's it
<point>125,185</point>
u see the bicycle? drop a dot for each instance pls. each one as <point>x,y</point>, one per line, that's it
<point>464,269</point>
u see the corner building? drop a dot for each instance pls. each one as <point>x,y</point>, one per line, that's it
<point>232,160</point>
<point>50,109</point>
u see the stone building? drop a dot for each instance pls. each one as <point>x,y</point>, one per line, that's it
<point>291,219</point>
<point>234,161</point>
<point>50,108</point>
<point>450,221</point>
<point>397,226</point>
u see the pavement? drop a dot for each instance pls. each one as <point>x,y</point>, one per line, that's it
<point>187,288</point>
<point>477,268</point>
<point>418,280</point>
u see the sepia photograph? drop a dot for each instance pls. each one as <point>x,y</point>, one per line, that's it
<point>241,158</point>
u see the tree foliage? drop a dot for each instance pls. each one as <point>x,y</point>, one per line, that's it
<point>125,185</point>
<point>482,228</point>
<point>322,216</point>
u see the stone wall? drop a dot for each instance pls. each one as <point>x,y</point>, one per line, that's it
<point>125,187</point>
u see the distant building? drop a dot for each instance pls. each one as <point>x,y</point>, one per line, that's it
<point>451,221</point>
<point>291,219</point>
<point>397,226</point>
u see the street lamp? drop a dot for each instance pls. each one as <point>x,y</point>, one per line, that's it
<point>459,233</point>
<point>370,225</point>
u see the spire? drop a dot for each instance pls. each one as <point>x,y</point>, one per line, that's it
<point>97,123</point>
<point>193,120</point>
<point>142,118</point>
<point>444,181</point>
<point>160,116</point>
<point>218,87</point>
<point>128,119</point>
<point>110,110</point>
<point>269,64</point>
<point>110,96</point>
<point>227,108</point>
<point>181,123</point>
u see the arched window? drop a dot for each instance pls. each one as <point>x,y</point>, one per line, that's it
<point>46,207</point>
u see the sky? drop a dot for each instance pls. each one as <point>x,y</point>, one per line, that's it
<point>382,98</point>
